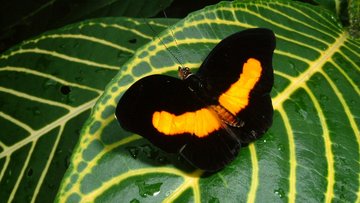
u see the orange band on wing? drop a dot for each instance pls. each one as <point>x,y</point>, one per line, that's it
<point>199,123</point>
<point>236,97</point>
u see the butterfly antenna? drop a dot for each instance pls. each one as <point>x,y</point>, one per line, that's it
<point>155,33</point>
<point>177,45</point>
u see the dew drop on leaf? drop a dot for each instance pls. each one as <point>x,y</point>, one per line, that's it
<point>68,99</point>
<point>79,79</point>
<point>280,147</point>
<point>35,110</point>
<point>132,41</point>
<point>280,192</point>
<point>50,83</point>
<point>291,65</point>
<point>162,159</point>
<point>148,189</point>
<point>134,151</point>
<point>150,152</point>
<point>303,114</point>
<point>342,196</point>
<point>51,186</point>
<point>324,98</point>
<point>30,172</point>
<point>122,55</point>
<point>169,192</point>
<point>214,200</point>
<point>67,161</point>
<point>134,201</point>
<point>65,90</point>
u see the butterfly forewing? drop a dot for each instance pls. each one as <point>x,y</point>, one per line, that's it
<point>238,73</point>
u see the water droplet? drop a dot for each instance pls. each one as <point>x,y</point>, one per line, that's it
<point>264,141</point>
<point>134,151</point>
<point>280,192</point>
<point>150,152</point>
<point>77,131</point>
<point>132,41</point>
<point>214,200</point>
<point>134,201</point>
<point>30,172</point>
<point>68,99</point>
<point>100,70</point>
<point>303,114</point>
<point>148,189</point>
<point>324,98</point>
<point>280,147</point>
<point>67,161</point>
<point>122,57</point>
<point>162,159</point>
<point>169,193</point>
<point>50,83</point>
<point>291,65</point>
<point>342,196</point>
<point>35,110</point>
<point>51,186</point>
<point>65,90</point>
<point>79,79</point>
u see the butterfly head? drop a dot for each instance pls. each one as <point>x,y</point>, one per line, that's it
<point>184,72</point>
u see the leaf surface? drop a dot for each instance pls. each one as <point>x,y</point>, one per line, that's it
<point>48,86</point>
<point>310,154</point>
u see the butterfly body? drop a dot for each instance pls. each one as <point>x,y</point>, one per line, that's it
<point>207,115</point>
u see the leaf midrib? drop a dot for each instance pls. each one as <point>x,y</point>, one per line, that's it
<point>314,67</point>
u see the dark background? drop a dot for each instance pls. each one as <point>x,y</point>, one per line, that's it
<point>21,19</point>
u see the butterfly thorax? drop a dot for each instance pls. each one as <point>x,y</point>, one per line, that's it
<point>184,72</point>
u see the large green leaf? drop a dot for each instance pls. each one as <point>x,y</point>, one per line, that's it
<point>48,86</point>
<point>310,154</point>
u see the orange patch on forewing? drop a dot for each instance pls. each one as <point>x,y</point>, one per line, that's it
<point>199,123</point>
<point>236,97</point>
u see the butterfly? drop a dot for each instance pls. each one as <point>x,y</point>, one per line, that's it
<point>208,115</point>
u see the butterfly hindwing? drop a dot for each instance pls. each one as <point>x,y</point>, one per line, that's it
<point>164,110</point>
<point>148,95</point>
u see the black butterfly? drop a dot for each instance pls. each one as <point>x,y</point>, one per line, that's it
<point>206,116</point>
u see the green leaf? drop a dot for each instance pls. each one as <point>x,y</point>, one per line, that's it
<point>48,86</point>
<point>310,154</point>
